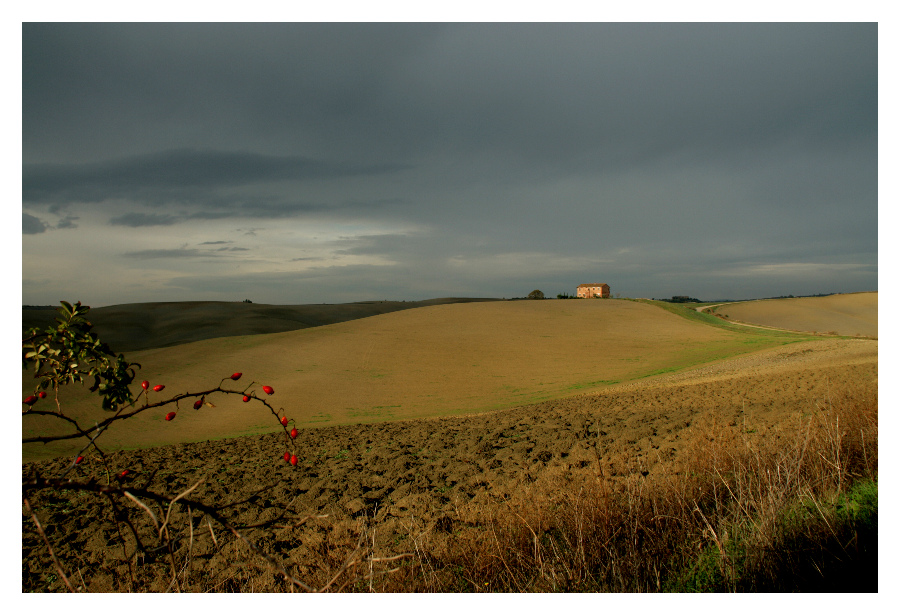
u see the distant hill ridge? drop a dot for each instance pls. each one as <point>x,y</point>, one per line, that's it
<point>141,326</point>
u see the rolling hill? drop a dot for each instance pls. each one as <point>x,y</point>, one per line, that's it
<point>853,314</point>
<point>139,326</point>
<point>440,360</point>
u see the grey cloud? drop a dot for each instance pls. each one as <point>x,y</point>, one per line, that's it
<point>181,253</point>
<point>642,154</point>
<point>599,97</point>
<point>67,221</point>
<point>242,81</point>
<point>163,253</point>
<point>185,252</point>
<point>136,220</point>
<point>261,208</point>
<point>175,174</point>
<point>32,225</point>
<point>566,94</point>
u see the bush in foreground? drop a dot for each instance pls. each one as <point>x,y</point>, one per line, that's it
<point>153,529</point>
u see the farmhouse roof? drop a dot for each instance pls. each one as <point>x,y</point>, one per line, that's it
<point>582,285</point>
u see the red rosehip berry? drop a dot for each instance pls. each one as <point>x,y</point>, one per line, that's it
<point>145,384</point>
<point>246,398</point>
<point>30,400</point>
<point>198,403</point>
<point>284,421</point>
<point>293,460</point>
<point>287,456</point>
<point>79,459</point>
<point>170,416</point>
<point>42,394</point>
<point>236,375</point>
<point>159,387</point>
<point>268,389</point>
<point>294,432</point>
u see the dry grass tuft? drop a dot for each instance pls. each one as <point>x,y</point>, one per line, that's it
<point>790,509</point>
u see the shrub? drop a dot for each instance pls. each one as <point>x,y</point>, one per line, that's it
<point>149,526</point>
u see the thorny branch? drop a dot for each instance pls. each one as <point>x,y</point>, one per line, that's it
<point>133,494</point>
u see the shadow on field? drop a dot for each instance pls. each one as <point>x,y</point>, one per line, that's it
<point>141,326</point>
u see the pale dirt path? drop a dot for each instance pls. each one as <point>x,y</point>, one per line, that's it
<point>703,309</point>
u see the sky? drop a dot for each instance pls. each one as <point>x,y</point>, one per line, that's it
<point>292,163</point>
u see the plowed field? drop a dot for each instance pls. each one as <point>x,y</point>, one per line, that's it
<point>424,475</point>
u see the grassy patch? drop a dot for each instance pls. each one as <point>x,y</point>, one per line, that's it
<point>760,336</point>
<point>322,417</point>
<point>375,412</point>
<point>592,384</point>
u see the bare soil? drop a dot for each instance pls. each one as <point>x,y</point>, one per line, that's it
<point>422,475</point>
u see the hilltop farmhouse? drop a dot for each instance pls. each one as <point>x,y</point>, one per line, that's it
<point>590,291</point>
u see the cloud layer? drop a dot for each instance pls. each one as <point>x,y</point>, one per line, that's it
<point>343,162</point>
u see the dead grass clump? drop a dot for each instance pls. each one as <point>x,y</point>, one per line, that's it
<point>784,508</point>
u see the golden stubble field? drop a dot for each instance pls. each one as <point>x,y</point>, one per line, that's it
<point>443,360</point>
<point>853,314</point>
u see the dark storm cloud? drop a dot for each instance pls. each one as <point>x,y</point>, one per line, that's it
<point>67,222</point>
<point>179,253</point>
<point>537,99</point>
<point>233,82</point>
<point>32,225</point>
<point>171,253</point>
<point>262,207</point>
<point>646,155</point>
<point>136,220</point>
<point>174,174</point>
<point>613,93</point>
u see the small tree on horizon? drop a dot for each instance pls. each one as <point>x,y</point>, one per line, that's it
<point>536,294</point>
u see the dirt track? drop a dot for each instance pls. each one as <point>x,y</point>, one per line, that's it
<point>418,475</point>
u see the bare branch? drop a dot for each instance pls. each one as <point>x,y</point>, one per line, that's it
<point>42,483</point>
<point>56,562</point>
<point>119,416</point>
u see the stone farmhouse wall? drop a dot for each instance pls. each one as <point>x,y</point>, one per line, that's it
<point>589,291</point>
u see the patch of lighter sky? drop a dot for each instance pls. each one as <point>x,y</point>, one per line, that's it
<point>101,264</point>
